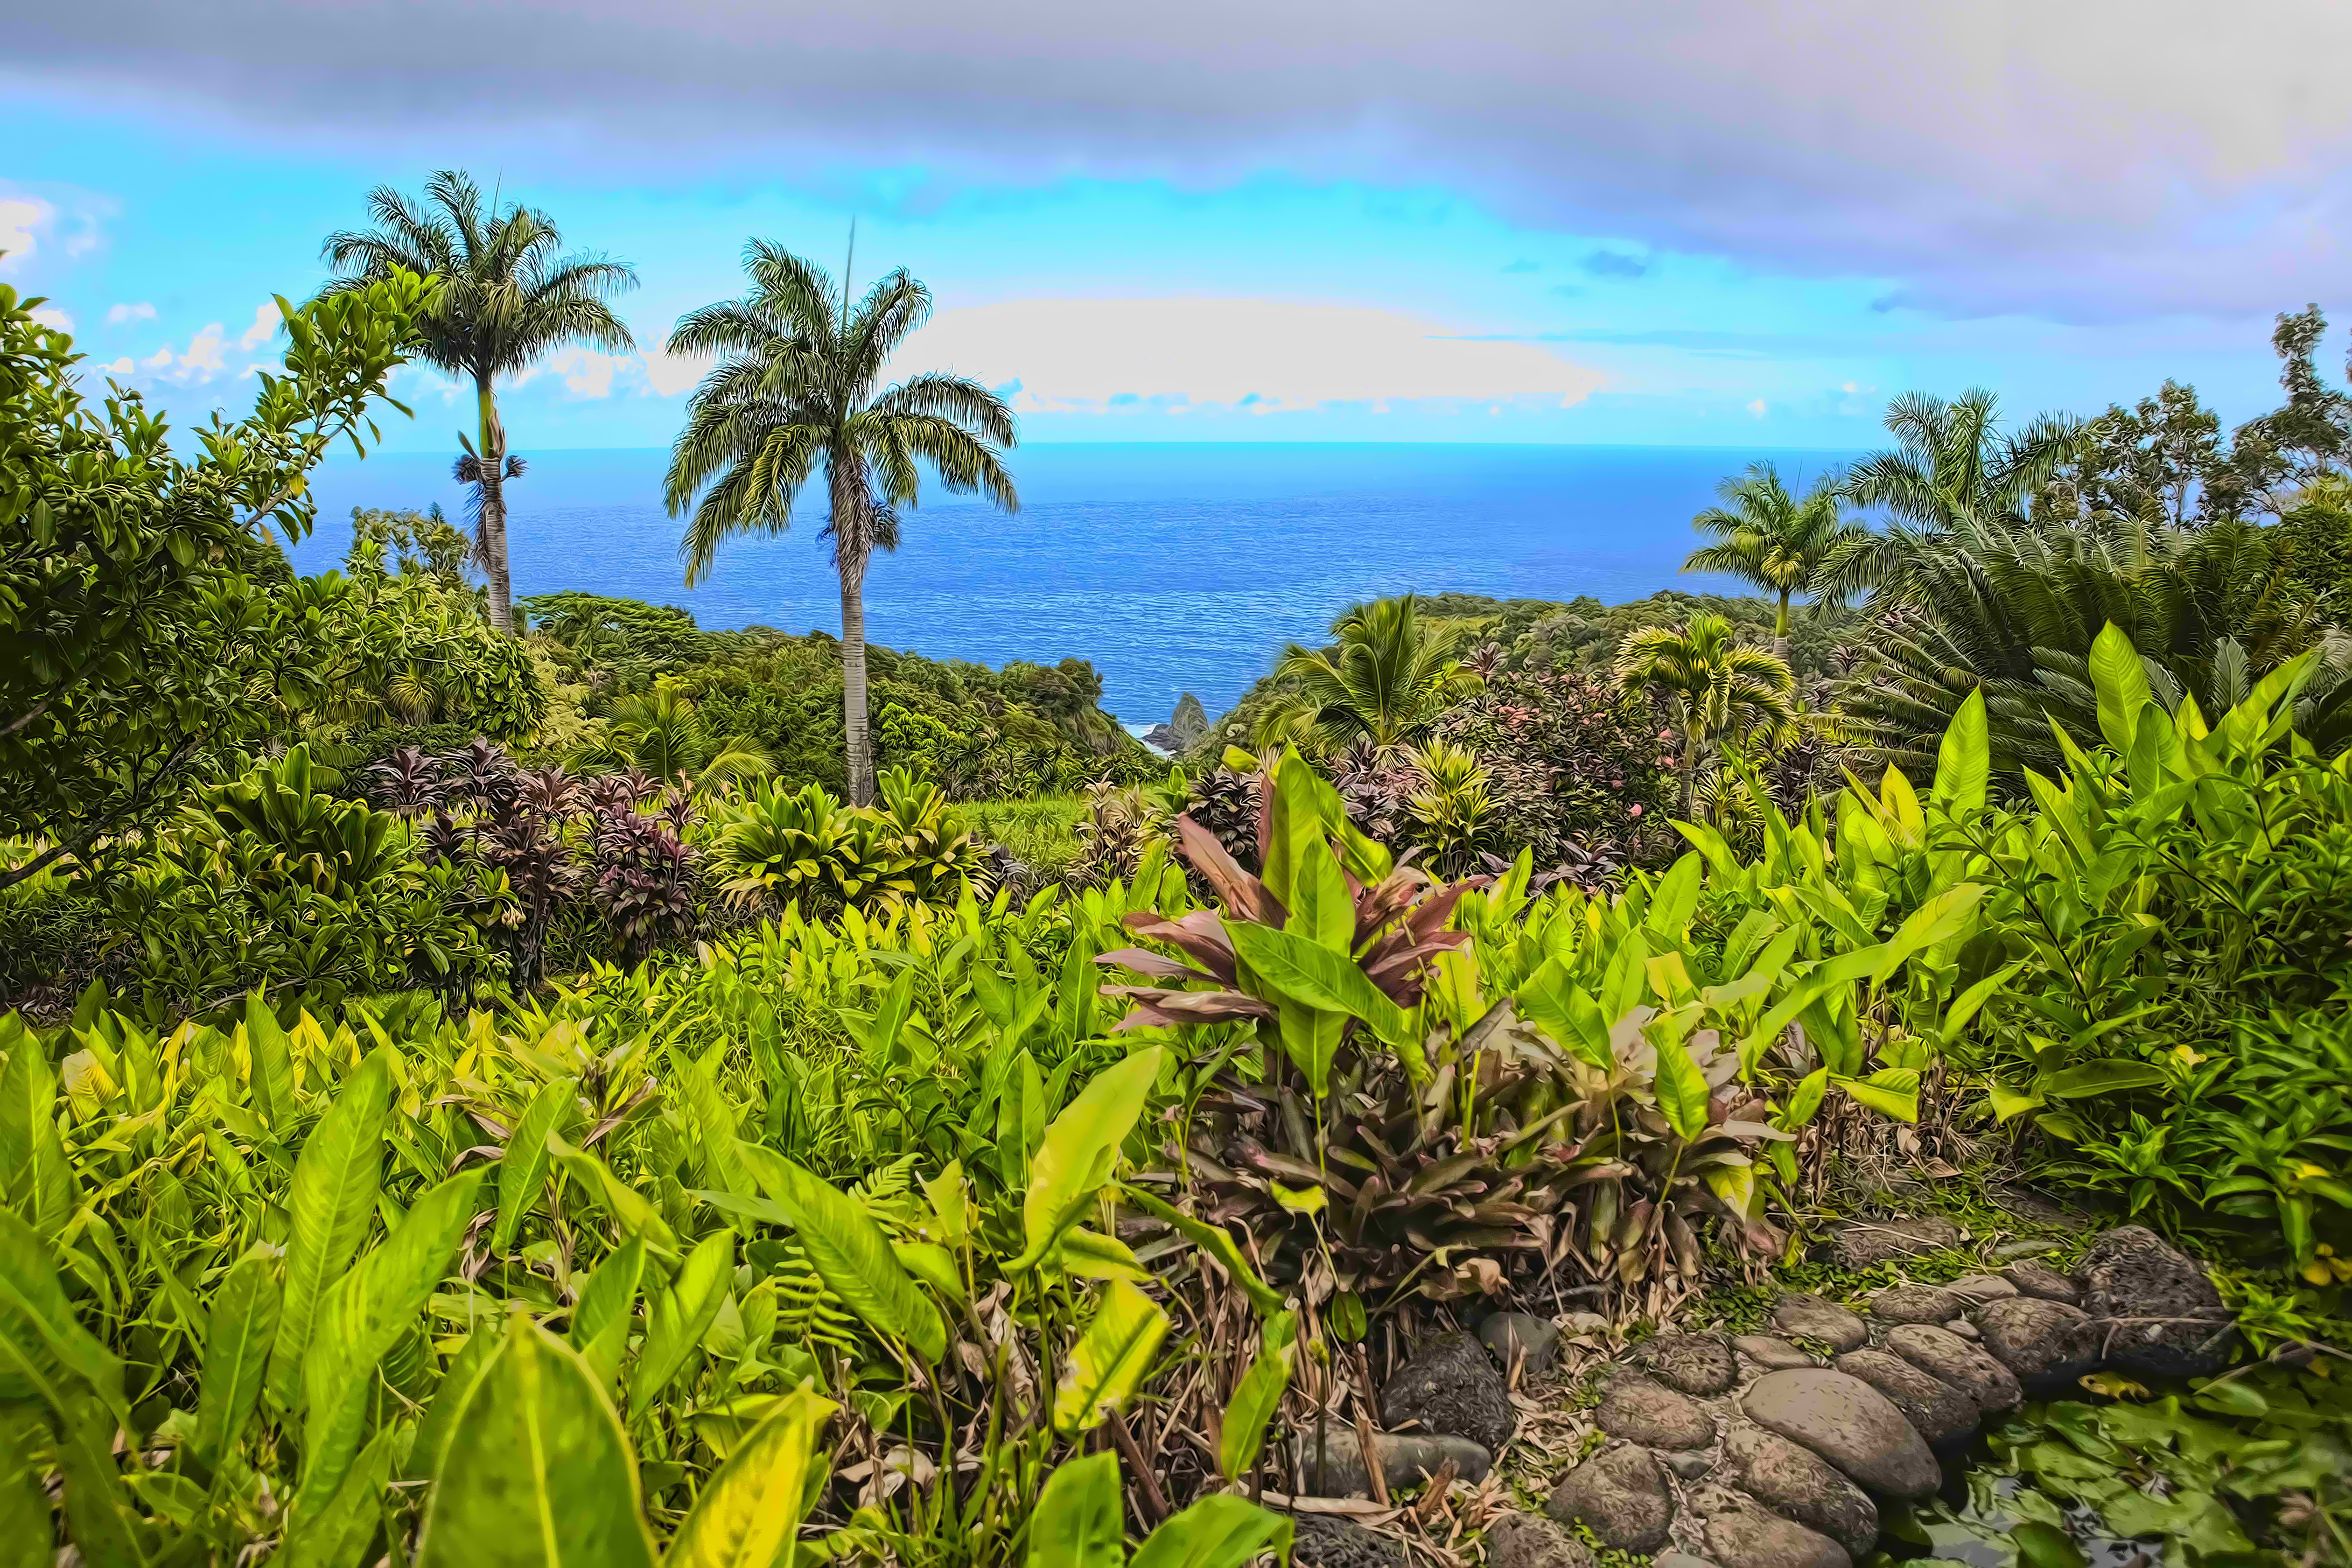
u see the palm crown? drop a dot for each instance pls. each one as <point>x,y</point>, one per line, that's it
<point>1388,679</point>
<point>798,387</point>
<point>1716,685</point>
<point>507,297</point>
<point>1768,537</point>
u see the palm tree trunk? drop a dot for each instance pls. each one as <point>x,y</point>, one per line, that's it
<point>1781,630</point>
<point>1690,772</point>
<point>494,511</point>
<point>849,547</point>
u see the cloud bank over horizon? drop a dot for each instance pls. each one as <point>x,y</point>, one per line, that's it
<point>2091,162</point>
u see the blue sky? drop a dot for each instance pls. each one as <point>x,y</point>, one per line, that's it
<point>1694,227</point>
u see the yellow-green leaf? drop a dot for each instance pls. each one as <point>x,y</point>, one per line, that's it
<point>1110,1360</point>
<point>749,1514</point>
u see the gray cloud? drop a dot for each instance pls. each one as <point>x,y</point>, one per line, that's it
<point>2093,160</point>
<point>1616,264</point>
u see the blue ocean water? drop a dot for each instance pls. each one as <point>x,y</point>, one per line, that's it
<point>1172,568</point>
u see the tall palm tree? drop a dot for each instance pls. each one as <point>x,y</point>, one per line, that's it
<point>1764,536</point>
<point>1951,470</point>
<point>1386,680</point>
<point>1718,687</point>
<point>507,299</point>
<point>799,389</point>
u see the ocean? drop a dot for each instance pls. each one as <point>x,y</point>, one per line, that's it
<point>1170,567</point>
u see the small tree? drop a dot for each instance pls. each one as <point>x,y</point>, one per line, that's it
<point>1766,537</point>
<point>146,614</point>
<point>1716,686</point>
<point>1387,679</point>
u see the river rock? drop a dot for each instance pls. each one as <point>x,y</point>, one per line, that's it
<point>1694,1363</point>
<point>1679,1560</point>
<point>1641,1410</point>
<point>1915,1304</point>
<point>1858,1244</point>
<point>2131,1273</point>
<point>1406,1459</point>
<point>1977,1288</point>
<point>1621,1495</point>
<point>1450,1388</point>
<point>1531,1540</point>
<point>2040,1279</point>
<point>2048,1344</point>
<point>1771,1353</point>
<point>1963,1328</point>
<point>1937,1411</point>
<point>1945,1355</point>
<point>1848,1423</point>
<point>1796,1483</point>
<point>1323,1542</point>
<point>1515,1336</point>
<point>1811,1318</point>
<point>1750,1538</point>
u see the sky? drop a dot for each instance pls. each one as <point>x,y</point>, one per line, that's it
<point>1688,222</point>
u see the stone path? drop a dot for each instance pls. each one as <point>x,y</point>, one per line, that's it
<point>1774,1449</point>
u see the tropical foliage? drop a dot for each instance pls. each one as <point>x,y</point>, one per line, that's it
<point>1771,539</point>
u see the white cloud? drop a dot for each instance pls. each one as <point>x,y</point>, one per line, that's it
<point>50,316</point>
<point>160,360</point>
<point>117,315</point>
<point>1760,408</point>
<point>203,360</point>
<point>119,367</point>
<point>265,326</point>
<point>1263,356</point>
<point>667,375</point>
<point>23,221</point>
<point>587,374</point>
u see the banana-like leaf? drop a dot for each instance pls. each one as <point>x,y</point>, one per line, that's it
<point>749,1513</point>
<point>522,1172</point>
<point>243,1325</point>
<point>1329,981</point>
<point>537,1472</point>
<point>2121,682</point>
<point>332,1200</point>
<point>44,1349</point>
<point>34,1179</point>
<point>1890,1091</point>
<point>600,1324</point>
<point>333,1536</point>
<point>1219,1531</point>
<point>1682,1089</point>
<point>1217,1242</point>
<point>1079,1521</point>
<point>1964,760</point>
<point>1256,1397</point>
<point>1088,1255</point>
<point>270,1060</point>
<point>1110,1360</point>
<point>680,1317</point>
<point>25,1530</point>
<point>850,1252</point>
<point>1079,1150</point>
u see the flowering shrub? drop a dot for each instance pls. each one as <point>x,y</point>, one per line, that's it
<point>1572,765</point>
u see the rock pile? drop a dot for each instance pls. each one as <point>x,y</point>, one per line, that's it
<point>1773,1450</point>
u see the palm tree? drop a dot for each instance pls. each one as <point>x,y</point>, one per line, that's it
<point>1387,679</point>
<point>1764,536</point>
<point>507,299</point>
<point>1717,685</point>
<point>661,734</point>
<point>1951,470</point>
<point>797,390</point>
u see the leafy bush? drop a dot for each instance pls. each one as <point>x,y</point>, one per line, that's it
<point>808,848</point>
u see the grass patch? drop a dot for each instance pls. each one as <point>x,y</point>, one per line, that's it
<point>1040,832</point>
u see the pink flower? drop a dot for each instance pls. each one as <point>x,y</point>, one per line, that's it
<point>1635,810</point>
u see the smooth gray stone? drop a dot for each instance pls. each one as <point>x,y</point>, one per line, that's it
<point>1937,1411</point>
<point>2048,1344</point>
<point>1652,1414</point>
<point>2040,1279</point>
<point>1406,1459</point>
<point>1811,1318</point>
<point>1690,1464</point>
<point>1692,1364</point>
<point>1622,1496</point>
<point>1848,1423</point>
<point>1915,1304</point>
<point>1531,1540</point>
<point>1512,1334</point>
<point>1750,1538</point>
<point>1945,1355</point>
<point>1796,1483</point>
<point>1772,1352</point>
<point>1977,1289</point>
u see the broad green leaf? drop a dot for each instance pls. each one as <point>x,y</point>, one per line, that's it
<point>1970,1002</point>
<point>361,1319</point>
<point>1079,1150</point>
<point>1677,896</point>
<point>335,1536</point>
<point>749,1515</point>
<point>1300,1200</point>
<point>2008,1103</point>
<point>1217,1242</point>
<point>1806,1101</point>
<point>1087,1256</point>
<point>680,1315</point>
<point>271,1061</point>
<point>629,1207</point>
<point>1940,919</point>
<point>97,1503</point>
<point>851,1254</point>
<point>936,1266</point>
<point>522,1172</point>
<point>2121,682</point>
<point>1326,980</point>
<point>1964,760</point>
<point>332,1201</point>
<point>1110,1360</point>
<point>538,1472</point>
<point>1080,1519</point>
<point>1683,1094</point>
<point>1890,1091</point>
<point>2101,1078</point>
<point>1256,1397</point>
<point>1322,911</point>
<point>1219,1531</point>
<point>473,1359</point>
<point>34,1179</point>
<point>243,1325</point>
<point>42,1344</point>
<point>600,1324</point>
<point>25,1529</point>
